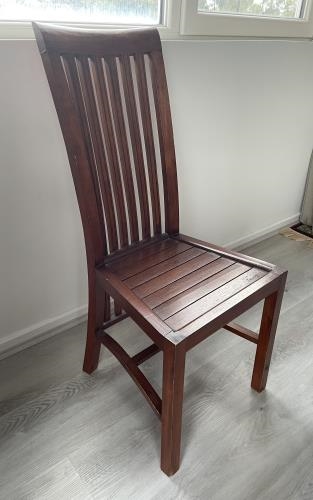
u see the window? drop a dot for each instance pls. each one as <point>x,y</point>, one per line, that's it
<point>174,18</point>
<point>131,12</point>
<point>253,18</point>
<point>267,8</point>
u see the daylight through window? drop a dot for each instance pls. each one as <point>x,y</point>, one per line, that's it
<point>267,8</point>
<point>83,11</point>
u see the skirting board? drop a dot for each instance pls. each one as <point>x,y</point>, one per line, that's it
<point>263,234</point>
<point>41,331</point>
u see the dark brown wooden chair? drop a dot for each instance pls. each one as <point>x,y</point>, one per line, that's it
<point>111,97</point>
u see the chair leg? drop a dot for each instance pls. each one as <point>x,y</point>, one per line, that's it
<point>270,316</point>
<point>172,403</point>
<point>98,312</point>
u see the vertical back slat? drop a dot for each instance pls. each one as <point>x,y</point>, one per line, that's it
<point>92,135</point>
<point>80,158</point>
<point>117,112</point>
<point>136,144</point>
<point>149,142</point>
<point>99,109</point>
<point>108,180</point>
<point>109,139</point>
<point>166,140</point>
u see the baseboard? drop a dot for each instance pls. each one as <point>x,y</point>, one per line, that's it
<point>38,332</point>
<point>263,234</point>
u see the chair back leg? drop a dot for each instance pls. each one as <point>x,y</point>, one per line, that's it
<point>98,312</point>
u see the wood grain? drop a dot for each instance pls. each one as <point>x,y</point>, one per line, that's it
<point>191,312</point>
<point>163,267</point>
<point>187,282</point>
<point>196,292</point>
<point>172,275</point>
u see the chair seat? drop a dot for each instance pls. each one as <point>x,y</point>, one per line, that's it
<point>186,285</point>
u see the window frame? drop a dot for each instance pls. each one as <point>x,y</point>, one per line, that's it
<point>240,25</point>
<point>181,20</point>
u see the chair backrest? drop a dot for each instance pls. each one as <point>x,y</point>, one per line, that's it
<point>111,96</point>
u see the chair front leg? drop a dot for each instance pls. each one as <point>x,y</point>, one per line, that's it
<point>98,312</point>
<point>270,316</point>
<point>172,405</point>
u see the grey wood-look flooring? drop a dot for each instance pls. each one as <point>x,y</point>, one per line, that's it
<point>67,435</point>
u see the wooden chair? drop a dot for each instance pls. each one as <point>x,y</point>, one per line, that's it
<point>111,97</point>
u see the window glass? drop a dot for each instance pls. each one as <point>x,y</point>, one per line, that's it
<point>266,8</point>
<point>87,11</point>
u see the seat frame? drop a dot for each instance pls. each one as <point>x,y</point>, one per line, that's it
<point>73,60</point>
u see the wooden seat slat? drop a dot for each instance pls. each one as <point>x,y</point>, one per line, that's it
<point>190,313</point>
<point>182,284</point>
<point>173,275</point>
<point>163,267</point>
<point>184,299</point>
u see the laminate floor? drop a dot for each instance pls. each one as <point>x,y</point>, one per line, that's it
<point>67,435</point>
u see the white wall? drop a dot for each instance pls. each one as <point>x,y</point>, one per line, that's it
<point>242,114</point>
<point>243,120</point>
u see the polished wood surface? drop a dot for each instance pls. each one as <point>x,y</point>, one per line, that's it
<point>112,101</point>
